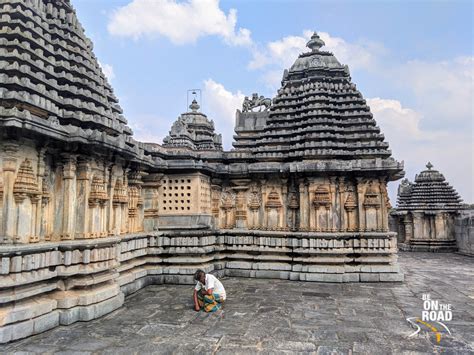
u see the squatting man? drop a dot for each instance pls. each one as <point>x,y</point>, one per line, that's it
<point>209,293</point>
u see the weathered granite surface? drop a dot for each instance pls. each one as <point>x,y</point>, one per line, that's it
<point>464,231</point>
<point>282,317</point>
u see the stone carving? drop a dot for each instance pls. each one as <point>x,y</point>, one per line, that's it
<point>322,197</point>
<point>98,191</point>
<point>228,199</point>
<point>45,194</point>
<point>293,203</point>
<point>254,198</point>
<point>25,183</point>
<point>350,203</point>
<point>120,193</point>
<point>261,103</point>
<point>94,186</point>
<point>273,200</point>
<point>372,197</point>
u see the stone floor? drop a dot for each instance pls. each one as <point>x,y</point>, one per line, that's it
<point>283,317</point>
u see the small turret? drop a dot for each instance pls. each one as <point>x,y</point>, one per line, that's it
<point>315,43</point>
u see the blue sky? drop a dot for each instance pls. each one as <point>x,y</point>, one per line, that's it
<point>412,61</point>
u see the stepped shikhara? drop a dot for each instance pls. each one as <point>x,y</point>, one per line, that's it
<point>425,213</point>
<point>89,215</point>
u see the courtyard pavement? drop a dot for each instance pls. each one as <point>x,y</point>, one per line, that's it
<point>276,316</point>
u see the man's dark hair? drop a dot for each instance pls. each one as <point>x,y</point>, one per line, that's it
<point>198,274</point>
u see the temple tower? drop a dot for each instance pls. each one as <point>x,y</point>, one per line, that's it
<point>425,212</point>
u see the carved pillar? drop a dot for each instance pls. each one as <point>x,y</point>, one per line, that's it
<point>333,221</point>
<point>39,205</point>
<point>46,216</point>
<point>440,229</point>
<point>9,213</point>
<point>124,228</point>
<point>385,204</point>
<point>284,195</point>
<point>360,200</point>
<point>381,210</point>
<point>151,185</point>
<point>304,204</point>
<point>215,200</point>
<point>69,197</point>
<point>109,180</point>
<point>135,202</point>
<point>408,223</point>
<point>82,199</point>
<point>264,198</point>
<point>340,203</point>
<point>418,232</point>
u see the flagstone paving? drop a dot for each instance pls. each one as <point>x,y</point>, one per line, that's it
<point>276,316</point>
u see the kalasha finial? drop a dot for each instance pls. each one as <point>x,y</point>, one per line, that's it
<point>429,165</point>
<point>315,43</point>
<point>194,106</point>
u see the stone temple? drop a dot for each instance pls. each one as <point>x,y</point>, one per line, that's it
<point>89,215</point>
<point>426,212</point>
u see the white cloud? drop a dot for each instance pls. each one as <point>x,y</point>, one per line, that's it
<point>396,120</point>
<point>360,55</point>
<point>180,22</point>
<point>108,71</point>
<point>416,145</point>
<point>443,90</point>
<point>282,52</point>
<point>278,55</point>
<point>150,128</point>
<point>220,106</point>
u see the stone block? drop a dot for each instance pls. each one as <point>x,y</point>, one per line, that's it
<point>367,277</point>
<point>392,277</point>
<point>5,266</point>
<point>323,277</point>
<point>271,266</point>
<point>16,331</point>
<point>238,265</point>
<point>45,322</point>
<point>87,313</point>
<point>27,309</point>
<point>271,274</point>
<point>350,277</point>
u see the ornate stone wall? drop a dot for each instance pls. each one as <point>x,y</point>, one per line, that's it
<point>89,215</point>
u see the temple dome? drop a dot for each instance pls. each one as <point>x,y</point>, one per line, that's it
<point>430,191</point>
<point>317,114</point>
<point>193,130</point>
<point>316,58</point>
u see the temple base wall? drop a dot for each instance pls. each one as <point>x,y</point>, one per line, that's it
<point>59,283</point>
<point>464,230</point>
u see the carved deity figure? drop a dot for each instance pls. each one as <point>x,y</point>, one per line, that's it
<point>261,103</point>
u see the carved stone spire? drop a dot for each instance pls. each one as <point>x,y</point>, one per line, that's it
<point>25,183</point>
<point>315,43</point>
<point>194,106</point>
